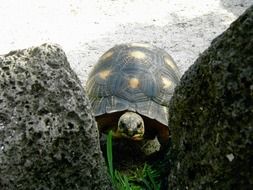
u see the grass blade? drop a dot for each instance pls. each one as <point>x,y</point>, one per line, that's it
<point>109,154</point>
<point>151,178</point>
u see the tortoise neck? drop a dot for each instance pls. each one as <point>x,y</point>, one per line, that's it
<point>129,111</point>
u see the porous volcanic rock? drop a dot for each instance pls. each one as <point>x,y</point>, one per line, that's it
<point>48,137</point>
<point>211,119</point>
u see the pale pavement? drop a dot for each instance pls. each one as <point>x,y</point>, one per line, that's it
<point>87,28</point>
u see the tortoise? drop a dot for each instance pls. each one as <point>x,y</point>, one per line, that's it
<point>130,88</point>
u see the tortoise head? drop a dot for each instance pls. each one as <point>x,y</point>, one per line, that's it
<point>131,126</point>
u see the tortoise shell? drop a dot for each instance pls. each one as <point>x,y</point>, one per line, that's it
<point>134,77</point>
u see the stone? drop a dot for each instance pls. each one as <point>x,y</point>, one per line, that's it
<point>48,136</point>
<point>211,115</point>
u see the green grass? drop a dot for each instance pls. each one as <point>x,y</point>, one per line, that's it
<point>143,177</point>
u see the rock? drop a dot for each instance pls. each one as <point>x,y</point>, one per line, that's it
<point>211,119</point>
<point>48,137</point>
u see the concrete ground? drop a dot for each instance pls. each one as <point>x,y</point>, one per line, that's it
<point>87,28</point>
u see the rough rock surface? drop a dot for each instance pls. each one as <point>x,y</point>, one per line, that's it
<point>211,115</point>
<point>48,138</point>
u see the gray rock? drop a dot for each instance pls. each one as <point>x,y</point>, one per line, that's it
<point>211,119</point>
<point>48,137</point>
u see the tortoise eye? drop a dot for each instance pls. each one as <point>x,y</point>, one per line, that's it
<point>123,125</point>
<point>139,125</point>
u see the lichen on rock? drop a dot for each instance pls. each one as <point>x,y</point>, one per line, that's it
<point>48,136</point>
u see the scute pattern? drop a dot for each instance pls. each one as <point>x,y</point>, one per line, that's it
<point>137,77</point>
